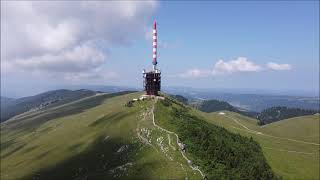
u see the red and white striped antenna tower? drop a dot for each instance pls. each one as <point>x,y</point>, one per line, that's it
<point>152,79</point>
<point>154,45</point>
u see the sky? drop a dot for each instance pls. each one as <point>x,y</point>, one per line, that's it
<point>234,44</point>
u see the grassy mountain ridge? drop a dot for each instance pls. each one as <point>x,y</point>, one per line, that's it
<point>104,141</point>
<point>100,138</point>
<point>33,120</point>
<point>65,144</point>
<point>41,101</point>
<point>278,113</point>
<point>214,105</point>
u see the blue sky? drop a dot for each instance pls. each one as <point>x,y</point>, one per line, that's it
<point>201,33</point>
<point>202,44</point>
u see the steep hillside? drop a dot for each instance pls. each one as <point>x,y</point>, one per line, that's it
<point>213,106</point>
<point>14,107</point>
<point>219,153</point>
<point>216,105</point>
<point>290,146</point>
<point>280,112</point>
<point>180,98</point>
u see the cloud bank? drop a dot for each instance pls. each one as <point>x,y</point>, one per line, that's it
<point>241,64</point>
<point>67,37</point>
<point>238,65</point>
<point>194,73</point>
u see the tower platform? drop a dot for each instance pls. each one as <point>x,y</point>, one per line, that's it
<point>152,82</point>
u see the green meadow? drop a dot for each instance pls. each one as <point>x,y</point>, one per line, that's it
<point>96,138</point>
<point>290,146</point>
<point>100,138</point>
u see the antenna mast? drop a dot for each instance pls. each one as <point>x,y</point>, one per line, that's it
<point>154,49</point>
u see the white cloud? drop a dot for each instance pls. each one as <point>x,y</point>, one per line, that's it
<point>67,37</point>
<point>238,65</point>
<point>278,67</point>
<point>93,77</point>
<point>80,58</point>
<point>194,73</point>
<point>241,64</point>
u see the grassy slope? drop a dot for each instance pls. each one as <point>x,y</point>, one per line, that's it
<point>76,145</point>
<point>50,98</point>
<point>305,128</point>
<point>290,159</point>
<point>219,153</point>
<point>86,143</point>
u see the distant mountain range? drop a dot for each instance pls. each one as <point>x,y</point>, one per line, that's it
<point>243,102</point>
<point>109,89</point>
<point>254,102</point>
<point>267,116</point>
<point>196,90</point>
<point>245,99</point>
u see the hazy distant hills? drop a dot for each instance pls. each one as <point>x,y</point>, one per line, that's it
<point>214,105</point>
<point>255,102</point>
<point>5,100</point>
<point>203,91</point>
<point>103,88</point>
<point>267,116</point>
<point>246,104</point>
<point>11,107</point>
<point>245,99</point>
